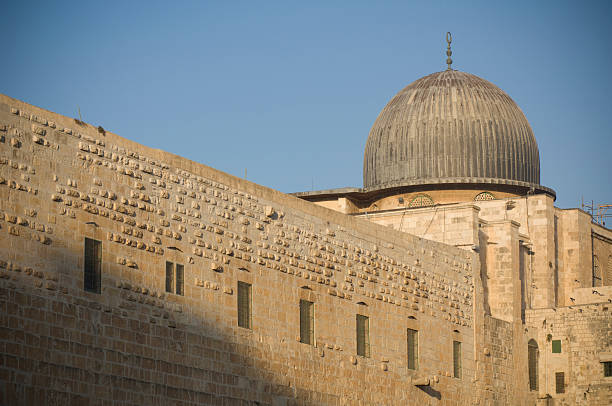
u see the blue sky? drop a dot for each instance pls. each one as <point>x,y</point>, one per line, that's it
<point>289,90</point>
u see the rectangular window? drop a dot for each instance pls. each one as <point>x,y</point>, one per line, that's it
<point>363,336</point>
<point>560,382</point>
<point>92,266</point>
<point>169,277</point>
<point>556,346</point>
<point>607,368</point>
<point>244,305</point>
<point>413,349</point>
<point>175,278</point>
<point>180,270</point>
<point>306,322</point>
<point>532,358</point>
<point>456,359</point>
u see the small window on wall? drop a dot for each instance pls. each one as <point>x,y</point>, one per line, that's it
<point>92,266</point>
<point>175,278</point>
<point>457,359</point>
<point>306,322</point>
<point>607,366</point>
<point>413,349</point>
<point>363,336</point>
<point>244,305</point>
<point>532,358</point>
<point>556,346</point>
<point>560,382</point>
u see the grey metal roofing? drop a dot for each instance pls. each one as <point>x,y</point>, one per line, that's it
<point>451,127</point>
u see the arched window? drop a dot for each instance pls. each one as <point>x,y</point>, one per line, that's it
<point>484,196</point>
<point>596,271</point>
<point>421,200</point>
<point>532,358</point>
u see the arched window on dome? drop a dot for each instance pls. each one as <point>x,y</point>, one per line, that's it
<point>421,200</point>
<point>484,196</point>
<point>532,360</point>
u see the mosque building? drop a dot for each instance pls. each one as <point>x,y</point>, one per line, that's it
<point>130,275</point>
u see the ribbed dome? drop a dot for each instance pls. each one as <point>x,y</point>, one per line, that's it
<point>450,127</point>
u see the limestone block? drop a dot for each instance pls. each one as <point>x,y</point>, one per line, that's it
<point>38,130</point>
<point>420,381</point>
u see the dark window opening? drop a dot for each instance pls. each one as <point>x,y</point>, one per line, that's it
<point>607,368</point>
<point>363,336</point>
<point>457,359</point>
<point>560,382</point>
<point>244,305</point>
<point>92,266</point>
<point>413,349</point>
<point>306,322</point>
<point>532,358</point>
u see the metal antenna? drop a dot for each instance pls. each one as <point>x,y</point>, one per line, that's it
<point>449,61</point>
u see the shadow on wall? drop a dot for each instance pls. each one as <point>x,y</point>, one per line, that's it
<point>482,243</point>
<point>64,346</point>
<point>431,392</point>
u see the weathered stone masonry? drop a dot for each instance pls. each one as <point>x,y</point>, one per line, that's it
<point>62,181</point>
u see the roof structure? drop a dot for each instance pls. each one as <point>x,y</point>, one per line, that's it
<point>451,127</point>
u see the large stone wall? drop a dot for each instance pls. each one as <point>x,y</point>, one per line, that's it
<point>62,181</point>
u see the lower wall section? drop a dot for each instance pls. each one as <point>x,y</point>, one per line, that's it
<point>57,349</point>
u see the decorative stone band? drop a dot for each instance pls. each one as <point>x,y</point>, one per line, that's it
<point>472,181</point>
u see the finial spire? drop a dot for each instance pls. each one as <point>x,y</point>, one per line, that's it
<point>449,61</point>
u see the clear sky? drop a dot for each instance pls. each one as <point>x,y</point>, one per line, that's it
<point>290,89</point>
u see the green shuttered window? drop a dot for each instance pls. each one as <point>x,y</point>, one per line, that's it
<point>413,349</point>
<point>556,346</point>
<point>244,305</point>
<point>306,322</point>
<point>92,266</point>
<point>363,336</point>
<point>456,359</point>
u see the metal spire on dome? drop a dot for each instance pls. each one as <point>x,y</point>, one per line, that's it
<point>449,61</point>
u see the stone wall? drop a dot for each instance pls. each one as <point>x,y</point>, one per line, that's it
<point>585,342</point>
<point>62,181</point>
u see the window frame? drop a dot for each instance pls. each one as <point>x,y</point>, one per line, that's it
<point>307,322</point>
<point>244,314</point>
<point>363,336</point>
<point>556,346</point>
<point>92,267</point>
<point>607,369</point>
<point>533,355</point>
<point>560,382</point>
<point>174,283</point>
<point>457,365</point>
<point>412,351</point>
